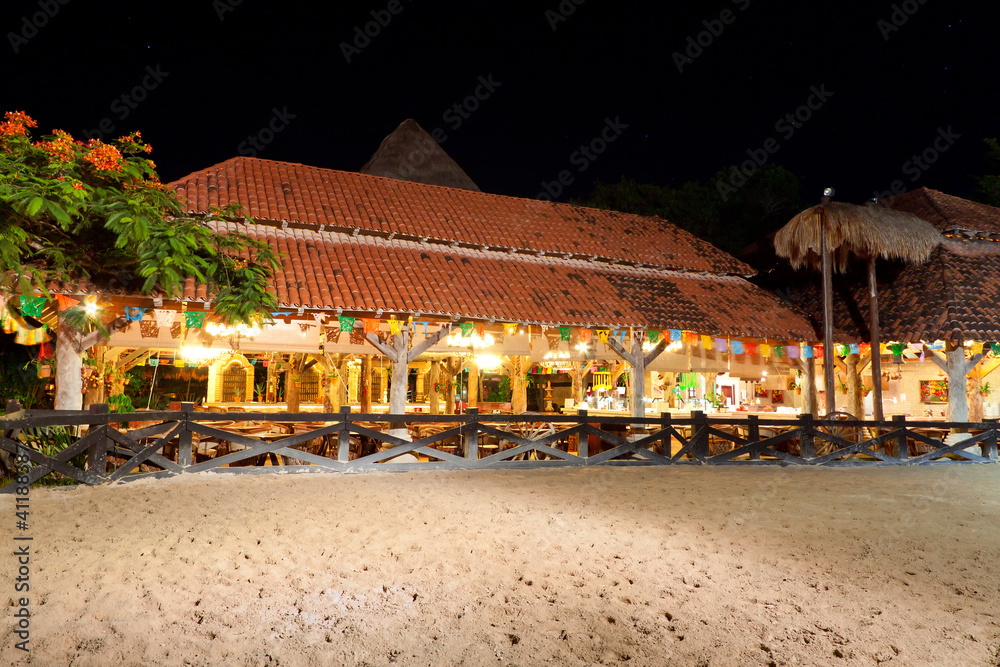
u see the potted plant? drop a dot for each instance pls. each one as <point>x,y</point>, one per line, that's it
<point>261,389</point>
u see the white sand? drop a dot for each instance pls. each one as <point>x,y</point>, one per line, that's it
<point>664,566</point>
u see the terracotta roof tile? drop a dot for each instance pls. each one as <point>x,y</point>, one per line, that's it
<point>282,191</point>
<point>399,276</point>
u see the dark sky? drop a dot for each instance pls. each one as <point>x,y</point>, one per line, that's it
<point>223,73</point>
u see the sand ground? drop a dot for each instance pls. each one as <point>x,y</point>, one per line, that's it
<point>654,566</point>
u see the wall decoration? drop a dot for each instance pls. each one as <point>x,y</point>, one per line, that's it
<point>777,396</point>
<point>933,391</point>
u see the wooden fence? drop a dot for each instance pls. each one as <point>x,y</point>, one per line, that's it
<point>100,447</point>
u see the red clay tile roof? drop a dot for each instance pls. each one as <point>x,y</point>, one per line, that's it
<point>345,201</point>
<point>949,214</point>
<point>359,274</point>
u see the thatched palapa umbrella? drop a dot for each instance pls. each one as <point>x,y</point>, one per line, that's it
<point>828,235</point>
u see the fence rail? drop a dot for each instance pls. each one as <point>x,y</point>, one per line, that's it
<point>99,447</point>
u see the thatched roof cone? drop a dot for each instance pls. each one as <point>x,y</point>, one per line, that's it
<point>411,154</point>
<point>861,231</point>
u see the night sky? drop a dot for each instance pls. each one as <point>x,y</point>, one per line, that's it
<point>559,72</point>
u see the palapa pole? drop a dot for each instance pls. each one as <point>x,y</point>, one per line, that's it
<point>827,309</point>
<point>876,342</point>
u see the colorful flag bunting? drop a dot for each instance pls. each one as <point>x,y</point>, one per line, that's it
<point>737,346</point>
<point>164,318</point>
<point>792,351</point>
<point>654,336</point>
<point>370,324</point>
<point>854,348</point>
<point>134,314</point>
<point>194,320</point>
<point>346,324</point>
<point>721,344</point>
<point>602,335</point>
<point>395,326</point>
<point>467,329</point>
<point>706,342</point>
<point>807,352</point>
<point>65,302</point>
<point>779,351</point>
<point>32,306</point>
<point>509,328</point>
<point>675,335</point>
<point>565,333</point>
<point>585,335</point>
<point>765,349</point>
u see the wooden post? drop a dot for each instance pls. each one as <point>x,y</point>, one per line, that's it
<point>827,314</point>
<point>810,401</point>
<point>902,449</point>
<point>582,440</point>
<point>344,440</point>
<point>184,452</point>
<point>471,436</point>
<point>753,433</point>
<point>638,394</point>
<point>473,396</point>
<point>808,445</point>
<point>365,382</point>
<point>854,403</point>
<point>876,343</point>
<point>295,366</point>
<point>432,393</point>
<point>519,394</point>
<point>97,452</point>
<point>666,442</point>
<point>990,445</point>
<point>69,365</point>
<point>958,402</point>
<point>699,433</point>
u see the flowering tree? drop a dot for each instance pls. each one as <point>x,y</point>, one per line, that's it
<point>72,211</point>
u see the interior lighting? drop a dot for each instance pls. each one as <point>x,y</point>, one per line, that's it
<point>217,329</point>
<point>488,362</point>
<point>474,341</point>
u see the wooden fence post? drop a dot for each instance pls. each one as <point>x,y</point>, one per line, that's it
<point>97,452</point>
<point>583,439</point>
<point>699,434</point>
<point>666,440</point>
<point>753,434</point>
<point>471,437</point>
<point>902,450</point>
<point>808,444</point>
<point>184,437</point>
<point>344,441</point>
<point>990,445</point>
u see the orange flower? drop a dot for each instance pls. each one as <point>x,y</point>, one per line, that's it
<point>59,149</point>
<point>78,186</point>
<point>103,156</point>
<point>16,123</point>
